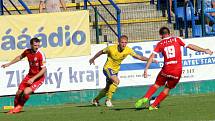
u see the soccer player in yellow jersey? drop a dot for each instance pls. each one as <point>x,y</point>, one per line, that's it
<point>115,55</point>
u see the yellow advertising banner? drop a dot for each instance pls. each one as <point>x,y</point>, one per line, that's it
<point>62,34</point>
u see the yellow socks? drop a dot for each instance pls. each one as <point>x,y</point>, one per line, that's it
<point>111,90</point>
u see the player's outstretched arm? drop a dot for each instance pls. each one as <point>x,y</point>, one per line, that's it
<point>150,60</point>
<point>95,56</point>
<point>18,58</point>
<point>143,58</point>
<point>139,57</point>
<point>197,48</point>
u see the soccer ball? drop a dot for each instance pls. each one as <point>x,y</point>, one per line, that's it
<point>152,100</point>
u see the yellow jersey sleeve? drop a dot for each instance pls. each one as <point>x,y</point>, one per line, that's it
<point>106,50</point>
<point>131,52</point>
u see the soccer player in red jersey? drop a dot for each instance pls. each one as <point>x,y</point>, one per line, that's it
<point>170,74</point>
<point>34,79</point>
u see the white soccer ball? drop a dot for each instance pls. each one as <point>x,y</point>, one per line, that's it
<point>152,100</point>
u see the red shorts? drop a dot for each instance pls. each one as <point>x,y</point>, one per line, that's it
<point>171,80</point>
<point>36,84</point>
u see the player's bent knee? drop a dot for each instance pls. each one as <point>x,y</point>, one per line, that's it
<point>166,90</point>
<point>27,91</point>
<point>156,86</point>
<point>116,81</point>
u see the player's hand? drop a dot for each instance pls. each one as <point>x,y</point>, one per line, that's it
<point>5,65</point>
<point>208,51</point>
<point>145,74</point>
<point>91,61</point>
<point>30,81</point>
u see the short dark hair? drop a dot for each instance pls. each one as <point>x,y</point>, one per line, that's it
<point>164,30</point>
<point>123,36</point>
<point>34,40</point>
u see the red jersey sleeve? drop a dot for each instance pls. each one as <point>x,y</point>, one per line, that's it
<point>24,53</point>
<point>157,49</point>
<point>181,42</point>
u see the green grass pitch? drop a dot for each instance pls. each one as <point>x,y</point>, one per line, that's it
<point>175,108</point>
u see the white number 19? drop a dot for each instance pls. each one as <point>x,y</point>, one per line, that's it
<point>170,51</point>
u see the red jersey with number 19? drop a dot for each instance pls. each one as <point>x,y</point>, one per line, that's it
<point>36,61</point>
<point>171,50</point>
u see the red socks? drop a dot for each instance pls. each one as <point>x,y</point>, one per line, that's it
<point>159,98</point>
<point>150,92</point>
<point>20,99</point>
<point>24,99</point>
<point>16,100</point>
